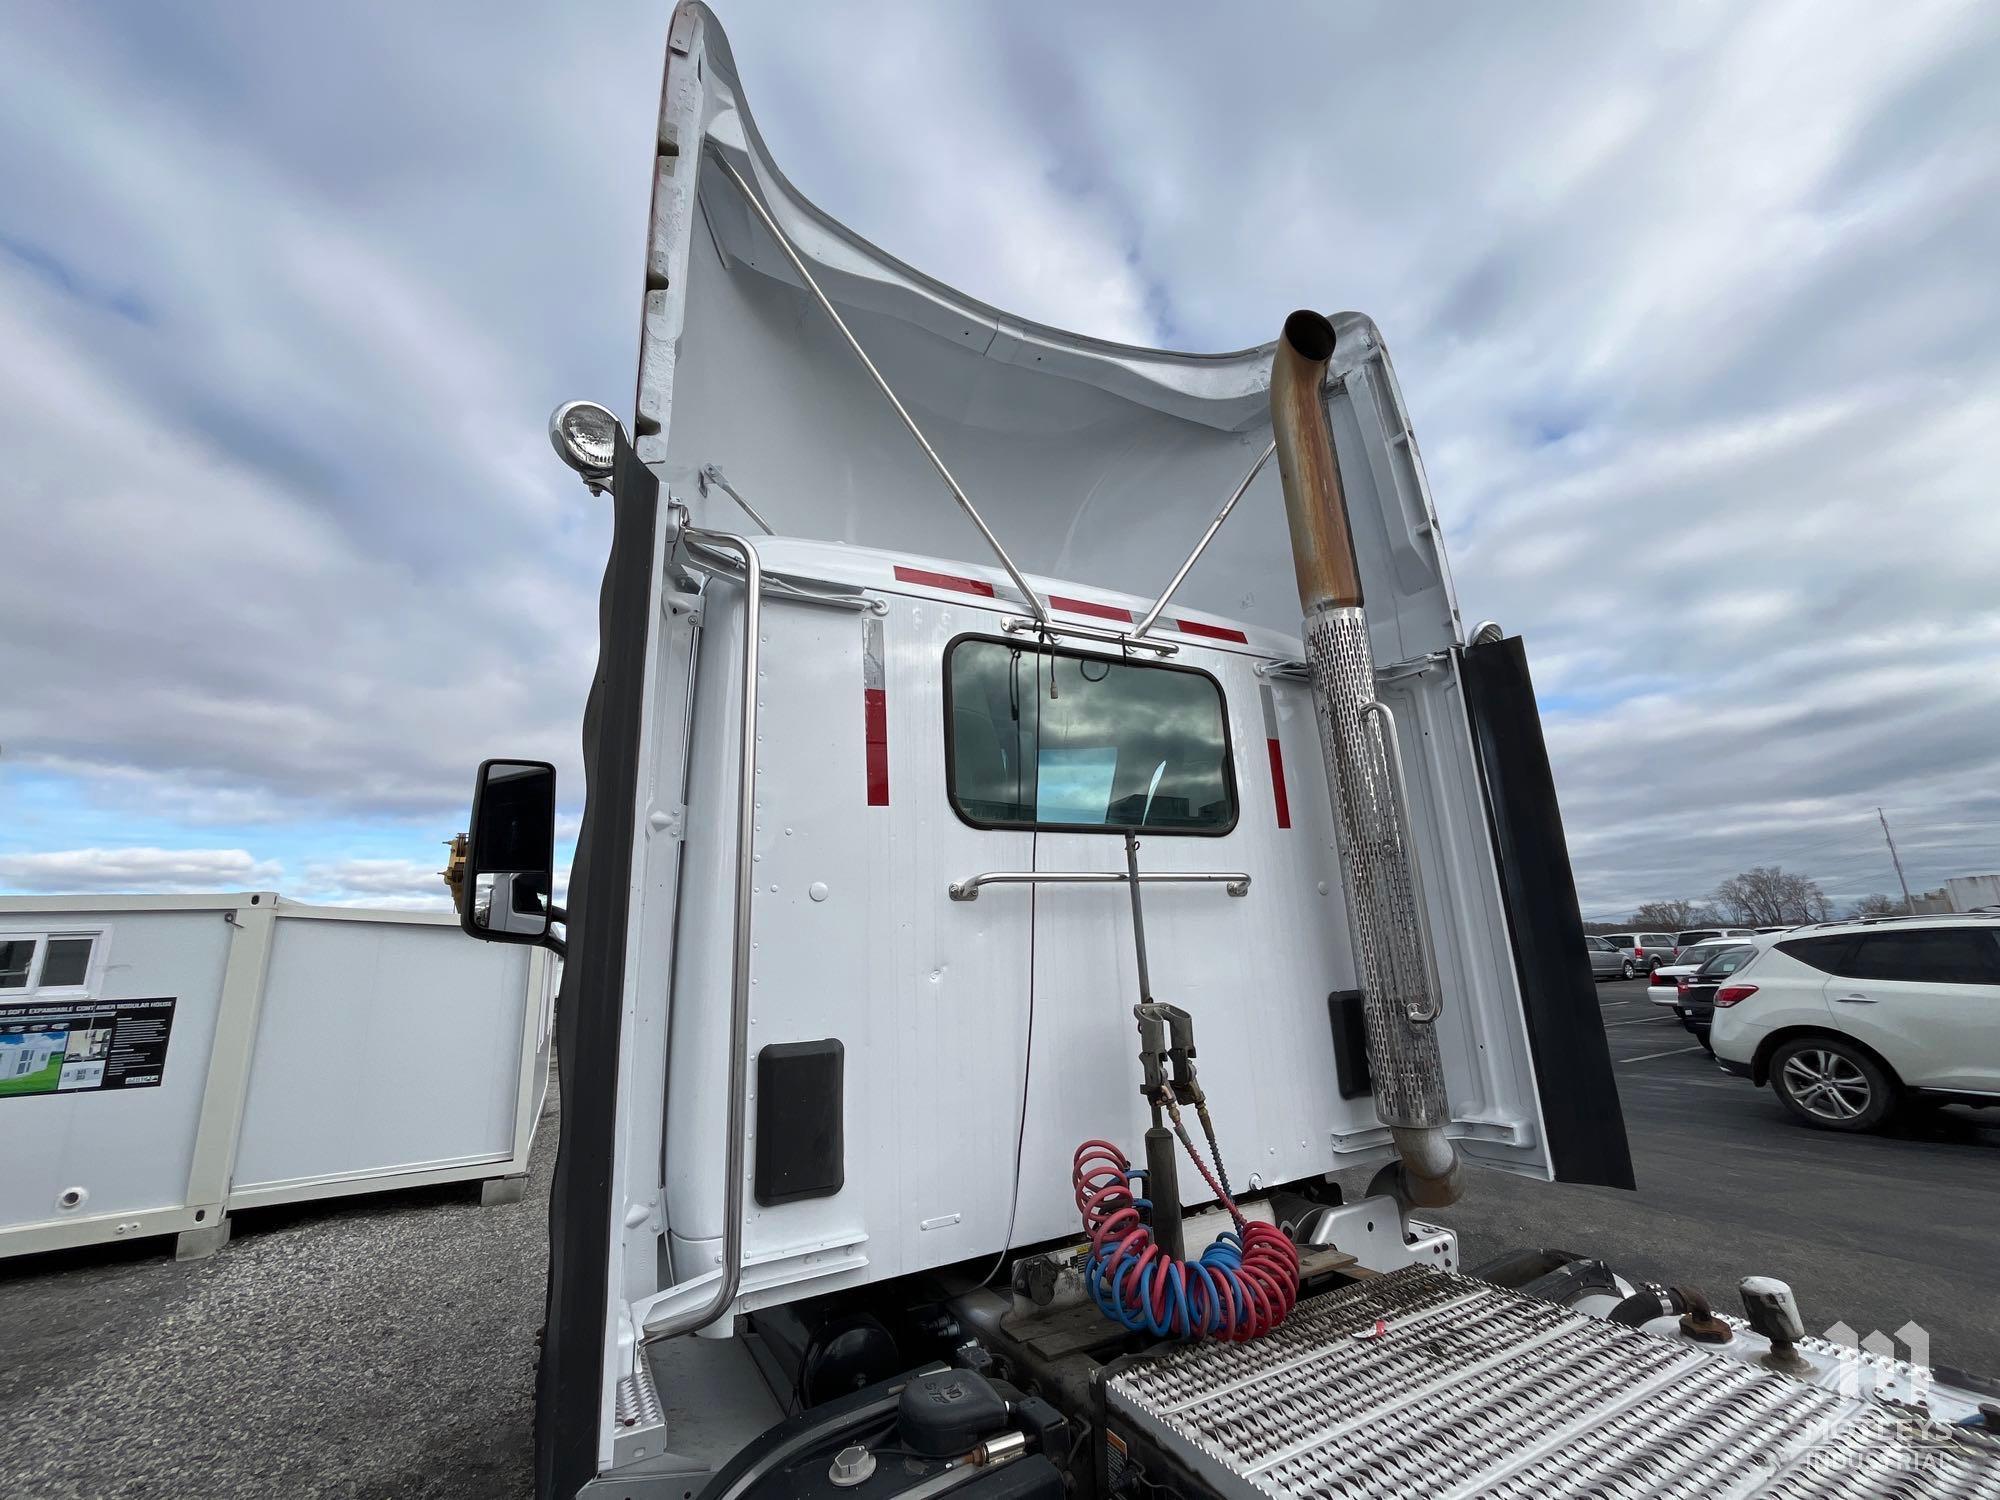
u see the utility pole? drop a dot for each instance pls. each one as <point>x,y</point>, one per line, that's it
<point>1897,859</point>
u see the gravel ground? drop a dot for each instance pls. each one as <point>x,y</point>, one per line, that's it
<point>363,1347</point>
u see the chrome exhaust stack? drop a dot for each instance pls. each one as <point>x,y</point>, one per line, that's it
<point>1398,981</point>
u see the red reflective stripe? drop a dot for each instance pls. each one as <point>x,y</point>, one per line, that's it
<point>1214,632</point>
<point>1278,784</point>
<point>943,581</point>
<point>1085,607</point>
<point>875,729</point>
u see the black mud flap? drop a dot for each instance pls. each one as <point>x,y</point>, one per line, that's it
<point>1579,1095</point>
<point>569,1385</point>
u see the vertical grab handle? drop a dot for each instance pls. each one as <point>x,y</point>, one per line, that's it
<point>723,1297</point>
<point>1399,797</point>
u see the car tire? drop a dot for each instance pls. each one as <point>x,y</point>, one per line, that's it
<point>1832,1085</point>
<point>1628,971</point>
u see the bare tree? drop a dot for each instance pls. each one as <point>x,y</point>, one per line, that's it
<point>1671,916</point>
<point>1767,895</point>
<point>1877,905</point>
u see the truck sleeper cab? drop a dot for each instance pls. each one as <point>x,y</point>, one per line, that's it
<point>850,945</point>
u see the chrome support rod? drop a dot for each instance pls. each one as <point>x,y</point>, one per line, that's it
<point>826,304</point>
<point>712,474</point>
<point>1024,625</point>
<point>1202,545</point>
<point>724,1296</point>
<point>1234,881</point>
<point>1138,916</point>
<point>794,586</point>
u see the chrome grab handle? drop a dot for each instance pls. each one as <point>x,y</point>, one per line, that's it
<point>723,1297</point>
<point>1234,881</point>
<point>1399,795</point>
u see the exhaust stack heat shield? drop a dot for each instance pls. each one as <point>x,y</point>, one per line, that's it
<point>1383,911</point>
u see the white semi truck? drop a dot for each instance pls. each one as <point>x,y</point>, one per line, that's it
<point>997,919</point>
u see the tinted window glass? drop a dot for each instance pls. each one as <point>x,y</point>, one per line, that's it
<point>1699,935</point>
<point>1728,961</point>
<point>16,954</point>
<point>1045,739</point>
<point>66,962</point>
<point>1822,953</point>
<point>1620,939</point>
<point>1941,955</point>
<point>1656,939</point>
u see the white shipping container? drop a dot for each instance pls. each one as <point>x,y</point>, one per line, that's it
<point>166,1059</point>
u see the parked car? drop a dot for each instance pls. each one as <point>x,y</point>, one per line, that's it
<point>1848,1020</point>
<point>1647,950</point>
<point>1607,959</point>
<point>1704,934</point>
<point>1665,986</point>
<point>1694,998</point>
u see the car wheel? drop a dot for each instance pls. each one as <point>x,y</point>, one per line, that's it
<point>1831,1084</point>
<point>1702,1037</point>
<point>1628,971</point>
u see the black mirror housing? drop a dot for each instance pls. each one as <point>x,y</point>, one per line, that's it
<point>510,853</point>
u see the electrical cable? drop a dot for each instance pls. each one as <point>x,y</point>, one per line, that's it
<point>1028,1049</point>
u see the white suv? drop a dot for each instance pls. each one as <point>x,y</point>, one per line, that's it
<point>1845,1020</point>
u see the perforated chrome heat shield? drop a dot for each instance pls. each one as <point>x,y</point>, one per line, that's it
<point>1422,1383</point>
<point>1382,909</point>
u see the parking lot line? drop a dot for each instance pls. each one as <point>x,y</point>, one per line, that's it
<point>1642,1021</point>
<point>1649,1056</point>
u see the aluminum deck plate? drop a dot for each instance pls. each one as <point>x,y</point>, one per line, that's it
<point>1424,1383</point>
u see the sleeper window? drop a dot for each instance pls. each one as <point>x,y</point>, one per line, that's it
<point>1051,739</point>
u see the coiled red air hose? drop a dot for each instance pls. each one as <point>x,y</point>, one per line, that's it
<point>1243,1285</point>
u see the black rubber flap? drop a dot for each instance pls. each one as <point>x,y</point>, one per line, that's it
<point>569,1384</point>
<point>799,1150</point>
<point>1573,1075</point>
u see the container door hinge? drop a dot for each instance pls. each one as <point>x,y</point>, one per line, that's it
<point>669,821</point>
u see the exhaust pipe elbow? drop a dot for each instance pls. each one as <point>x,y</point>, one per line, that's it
<point>1428,1174</point>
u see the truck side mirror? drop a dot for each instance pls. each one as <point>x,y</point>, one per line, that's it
<point>510,853</point>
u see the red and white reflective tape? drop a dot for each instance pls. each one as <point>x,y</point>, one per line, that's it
<point>1277,753</point>
<point>875,711</point>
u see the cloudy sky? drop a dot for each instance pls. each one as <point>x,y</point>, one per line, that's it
<point>1694,306</point>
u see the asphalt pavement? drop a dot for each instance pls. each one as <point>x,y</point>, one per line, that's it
<point>370,1348</point>
<point>1875,1231</point>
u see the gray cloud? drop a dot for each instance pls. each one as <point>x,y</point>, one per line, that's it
<point>149,870</point>
<point>1693,310</point>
